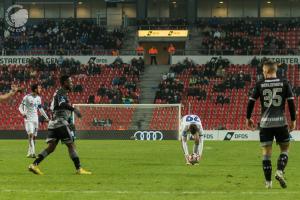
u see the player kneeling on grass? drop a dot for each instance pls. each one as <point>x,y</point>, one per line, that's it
<point>191,124</point>
<point>60,127</point>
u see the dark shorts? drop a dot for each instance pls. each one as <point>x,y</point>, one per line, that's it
<point>267,135</point>
<point>63,133</point>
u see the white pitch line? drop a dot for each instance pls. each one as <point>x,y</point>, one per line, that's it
<point>151,192</point>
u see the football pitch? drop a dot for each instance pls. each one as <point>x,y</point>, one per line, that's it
<point>130,170</point>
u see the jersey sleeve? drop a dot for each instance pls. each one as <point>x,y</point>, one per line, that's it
<point>289,91</point>
<point>22,107</point>
<point>255,93</point>
<point>39,103</point>
<point>183,127</point>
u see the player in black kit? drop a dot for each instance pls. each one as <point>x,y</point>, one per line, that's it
<point>273,93</point>
<point>60,127</point>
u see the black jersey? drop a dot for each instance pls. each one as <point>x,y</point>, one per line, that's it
<point>61,115</point>
<point>273,93</point>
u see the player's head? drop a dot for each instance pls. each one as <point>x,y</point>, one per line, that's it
<point>66,82</point>
<point>36,88</point>
<point>193,129</point>
<point>269,68</point>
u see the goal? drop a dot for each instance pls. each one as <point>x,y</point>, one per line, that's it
<point>128,121</point>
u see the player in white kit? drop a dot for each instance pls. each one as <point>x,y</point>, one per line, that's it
<point>191,124</point>
<point>28,108</point>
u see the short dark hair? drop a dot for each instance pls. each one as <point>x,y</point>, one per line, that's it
<point>193,129</point>
<point>63,79</point>
<point>269,62</point>
<point>271,65</point>
<point>34,87</point>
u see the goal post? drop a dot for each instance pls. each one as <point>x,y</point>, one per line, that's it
<point>128,121</point>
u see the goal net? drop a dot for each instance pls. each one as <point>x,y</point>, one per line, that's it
<point>128,121</point>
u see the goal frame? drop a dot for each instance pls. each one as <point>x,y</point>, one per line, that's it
<point>178,105</point>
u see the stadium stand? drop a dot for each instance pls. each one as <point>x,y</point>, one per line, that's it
<point>219,92</point>
<point>86,79</point>
<point>215,91</point>
<point>66,37</point>
<point>249,36</point>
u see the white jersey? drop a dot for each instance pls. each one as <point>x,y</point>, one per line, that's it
<point>187,120</point>
<point>29,107</point>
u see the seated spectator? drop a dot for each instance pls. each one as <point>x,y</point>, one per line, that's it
<point>95,122</point>
<point>255,62</point>
<point>108,123</point>
<point>78,88</point>
<point>97,99</point>
<point>127,100</point>
<point>116,81</point>
<point>193,81</point>
<point>102,90</point>
<point>116,100</point>
<point>91,99</point>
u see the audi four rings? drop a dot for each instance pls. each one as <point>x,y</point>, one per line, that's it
<point>148,135</point>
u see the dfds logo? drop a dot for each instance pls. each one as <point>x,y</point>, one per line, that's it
<point>208,136</point>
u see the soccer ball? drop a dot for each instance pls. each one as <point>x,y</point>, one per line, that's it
<point>194,158</point>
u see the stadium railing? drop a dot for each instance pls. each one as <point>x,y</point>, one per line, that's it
<point>163,27</point>
<point>256,51</point>
<point>40,52</point>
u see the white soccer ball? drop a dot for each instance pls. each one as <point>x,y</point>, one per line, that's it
<point>194,158</point>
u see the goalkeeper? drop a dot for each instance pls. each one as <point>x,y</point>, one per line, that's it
<point>191,124</point>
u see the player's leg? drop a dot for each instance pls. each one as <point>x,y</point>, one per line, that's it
<point>185,149</point>
<point>33,139</point>
<point>52,141</point>
<point>267,165</point>
<point>47,151</point>
<point>266,139</point>
<point>198,146</point>
<point>73,155</point>
<point>50,148</point>
<point>283,139</point>
<point>29,135</point>
<point>75,158</point>
<point>33,152</point>
<point>29,130</point>
<point>68,139</point>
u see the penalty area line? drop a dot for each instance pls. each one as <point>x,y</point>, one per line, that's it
<point>149,192</point>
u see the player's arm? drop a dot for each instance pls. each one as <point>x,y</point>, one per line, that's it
<point>292,107</point>
<point>14,90</point>
<point>251,102</point>
<point>22,107</point>
<point>62,103</point>
<point>42,111</point>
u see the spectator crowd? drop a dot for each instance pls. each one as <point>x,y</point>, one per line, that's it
<point>247,36</point>
<point>66,37</point>
<point>172,89</point>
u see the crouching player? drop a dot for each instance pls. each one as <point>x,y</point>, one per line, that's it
<point>191,124</point>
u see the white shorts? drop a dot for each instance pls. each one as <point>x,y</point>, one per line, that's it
<point>31,127</point>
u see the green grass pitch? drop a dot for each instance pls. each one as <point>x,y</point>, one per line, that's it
<point>145,170</point>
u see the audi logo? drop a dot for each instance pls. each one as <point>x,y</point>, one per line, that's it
<point>148,135</point>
